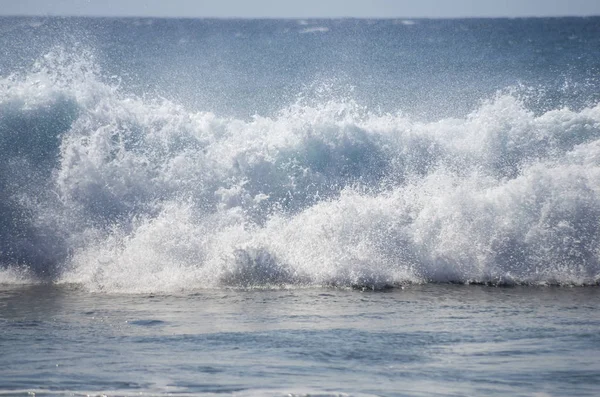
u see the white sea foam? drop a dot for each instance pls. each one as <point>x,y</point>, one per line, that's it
<point>146,196</point>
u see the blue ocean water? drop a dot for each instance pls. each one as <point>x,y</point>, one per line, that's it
<point>263,207</point>
<point>424,340</point>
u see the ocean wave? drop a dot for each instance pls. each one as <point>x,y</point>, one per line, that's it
<point>120,193</point>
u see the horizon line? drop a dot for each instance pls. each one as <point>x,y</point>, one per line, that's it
<point>292,18</point>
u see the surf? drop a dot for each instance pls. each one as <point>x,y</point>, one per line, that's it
<point>118,192</point>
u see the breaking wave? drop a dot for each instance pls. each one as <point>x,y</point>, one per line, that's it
<point>121,193</point>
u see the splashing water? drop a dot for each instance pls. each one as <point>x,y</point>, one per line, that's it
<point>121,193</point>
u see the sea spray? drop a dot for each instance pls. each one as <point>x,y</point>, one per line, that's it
<point>134,194</point>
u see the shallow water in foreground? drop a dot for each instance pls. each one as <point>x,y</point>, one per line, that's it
<point>422,340</point>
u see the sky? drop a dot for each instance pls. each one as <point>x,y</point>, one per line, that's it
<point>303,8</point>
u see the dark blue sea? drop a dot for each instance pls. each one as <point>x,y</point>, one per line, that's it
<point>203,207</point>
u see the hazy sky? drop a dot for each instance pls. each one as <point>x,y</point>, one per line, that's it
<point>303,8</point>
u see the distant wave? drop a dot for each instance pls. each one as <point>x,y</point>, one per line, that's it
<point>315,29</point>
<point>119,193</point>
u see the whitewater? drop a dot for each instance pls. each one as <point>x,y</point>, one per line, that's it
<point>121,193</point>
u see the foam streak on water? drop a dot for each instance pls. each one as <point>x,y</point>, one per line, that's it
<point>121,193</point>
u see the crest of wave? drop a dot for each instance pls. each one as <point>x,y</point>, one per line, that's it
<point>145,196</point>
